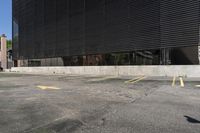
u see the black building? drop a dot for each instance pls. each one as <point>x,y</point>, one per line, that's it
<point>106,32</point>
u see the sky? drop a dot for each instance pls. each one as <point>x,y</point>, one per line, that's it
<point>6,18</point>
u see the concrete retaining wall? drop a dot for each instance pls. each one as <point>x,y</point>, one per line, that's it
<point>189,71</point>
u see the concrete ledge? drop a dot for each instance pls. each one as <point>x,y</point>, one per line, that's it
<point>182,70</point>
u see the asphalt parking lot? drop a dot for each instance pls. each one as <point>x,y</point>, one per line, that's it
<point>98,104</point>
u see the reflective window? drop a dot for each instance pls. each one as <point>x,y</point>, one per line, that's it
<point>175,56</point>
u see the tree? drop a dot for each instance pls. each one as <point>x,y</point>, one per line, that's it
<point>9,44</point>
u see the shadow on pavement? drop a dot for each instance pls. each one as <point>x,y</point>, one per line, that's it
<point>192,120</point>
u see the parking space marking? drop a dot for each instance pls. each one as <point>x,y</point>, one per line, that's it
<point>174,81</point>
<point>182,84</point>
<point>198,86</point>
<point>135,80</point>
<point>129,81</point>
<point>48,87</point>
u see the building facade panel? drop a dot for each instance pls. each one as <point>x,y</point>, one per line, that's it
<point>179,23</point>
<point>113,31</point>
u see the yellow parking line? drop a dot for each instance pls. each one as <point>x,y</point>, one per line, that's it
<point>198,86</point>
<point>48,88</point>
<point>181,82</point>
<point>135,80</point>
<point>131,80</point>
<point>174,81</point>
<point>138,80</point>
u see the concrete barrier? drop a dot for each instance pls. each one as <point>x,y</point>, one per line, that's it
<point>182,70</point>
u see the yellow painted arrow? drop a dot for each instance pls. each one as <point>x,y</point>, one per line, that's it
<point>48,88</point>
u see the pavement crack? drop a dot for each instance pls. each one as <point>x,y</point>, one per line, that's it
<point>145,94</point>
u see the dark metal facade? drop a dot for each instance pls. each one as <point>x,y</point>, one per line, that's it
<point>60,28</point>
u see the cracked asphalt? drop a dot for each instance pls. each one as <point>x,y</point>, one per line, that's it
<point>93,104</point>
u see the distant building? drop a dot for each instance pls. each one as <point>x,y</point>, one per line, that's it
<point>106,32</point>
<point>3,52</point>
